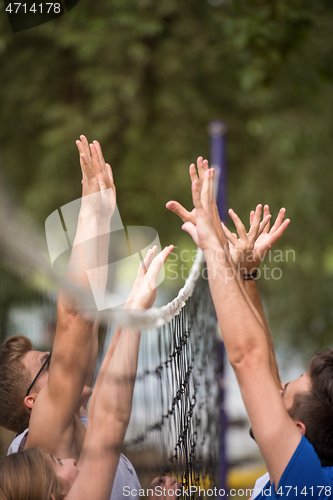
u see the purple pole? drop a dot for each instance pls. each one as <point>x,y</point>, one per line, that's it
<point>217,130</point>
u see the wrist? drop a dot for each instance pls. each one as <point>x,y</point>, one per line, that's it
<point>135,305</point>
<point>87,212</point>
<point>215,254</point>
<point>250,274</point>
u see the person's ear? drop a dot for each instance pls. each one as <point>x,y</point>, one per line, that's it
<point>301,427</point>
<point>29,401</point>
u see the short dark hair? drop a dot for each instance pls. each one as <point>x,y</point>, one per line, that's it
<point>14,382</point>
<point>315,408</point>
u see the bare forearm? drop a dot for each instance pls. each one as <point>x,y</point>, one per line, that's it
<point>84,255</point>
<point>73,339</point>
<point>101,281</point>
<point>93,356</point>
<point>116,390</point>
<point>241,326</point>
<point>106,361</point>
<point>251,287</point>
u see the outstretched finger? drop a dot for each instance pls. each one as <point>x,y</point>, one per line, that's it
<point>206,164</point>
<point>196,196</point>
<point>85,145</point>
<point>279,232</point>
<point>179,210</point>
<point>193,173</point>
<point>238,224</point>
<point>251,217</point>
<point>207,192</point>
<point>87,171</point>
<point>110,174</point>
<point>157,264</point>
<point>263,224</point>
<point>278,220</point>
<point>100,155</point>
<point>201,169</point>
<point>252,234</point>
<point>232,237</point>
<point>98,169</point>
<point>80,147</point>
<point>149,256</point>
<point>266,212</point>
<point>145,263</point>
<point>81,155</point>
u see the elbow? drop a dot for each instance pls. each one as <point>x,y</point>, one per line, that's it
<point>245,360</point>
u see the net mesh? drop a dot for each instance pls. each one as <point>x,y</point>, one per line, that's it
<point>175,427</point>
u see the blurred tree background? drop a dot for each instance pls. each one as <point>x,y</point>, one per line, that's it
<point>145,77</point>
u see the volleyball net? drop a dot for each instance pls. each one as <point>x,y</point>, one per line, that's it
<point>175,424</point>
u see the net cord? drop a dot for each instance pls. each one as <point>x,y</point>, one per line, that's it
<point>32,253</point>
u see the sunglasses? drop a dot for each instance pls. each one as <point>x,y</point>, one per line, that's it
<point>46,362</point>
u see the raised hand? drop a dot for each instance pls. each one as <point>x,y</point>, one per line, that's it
<point>190,217</point>
<point>204,231</point>
<point>249,249</point>
<point>144,290</point>
<point>96,176</point>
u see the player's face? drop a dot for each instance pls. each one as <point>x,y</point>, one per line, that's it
<point>301,384</point>
<point>66,471</point>
<point>33,361</point>
<point>290,389</point>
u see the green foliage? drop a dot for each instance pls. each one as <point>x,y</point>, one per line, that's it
<point>145,77</point>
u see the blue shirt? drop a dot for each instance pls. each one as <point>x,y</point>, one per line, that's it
<point>302,478</point>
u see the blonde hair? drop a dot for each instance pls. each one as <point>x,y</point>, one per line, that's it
<point>27,475</point>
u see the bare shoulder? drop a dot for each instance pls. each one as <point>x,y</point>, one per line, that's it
<point>47,431</point>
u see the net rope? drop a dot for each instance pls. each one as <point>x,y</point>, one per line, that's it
<point>29,250</point>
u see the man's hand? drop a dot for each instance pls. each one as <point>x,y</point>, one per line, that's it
<point>189,218</point>
<point>96,177</point>
<point>249,249</point>
<point>166,488</point>
<point>204,232</point>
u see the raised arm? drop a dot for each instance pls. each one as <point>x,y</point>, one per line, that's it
<point>136,300</point>
<point>247,251</point>
<point>53,410</point>
<point>110,411</point>
<point>106,212</point>
<point>245,340</point>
